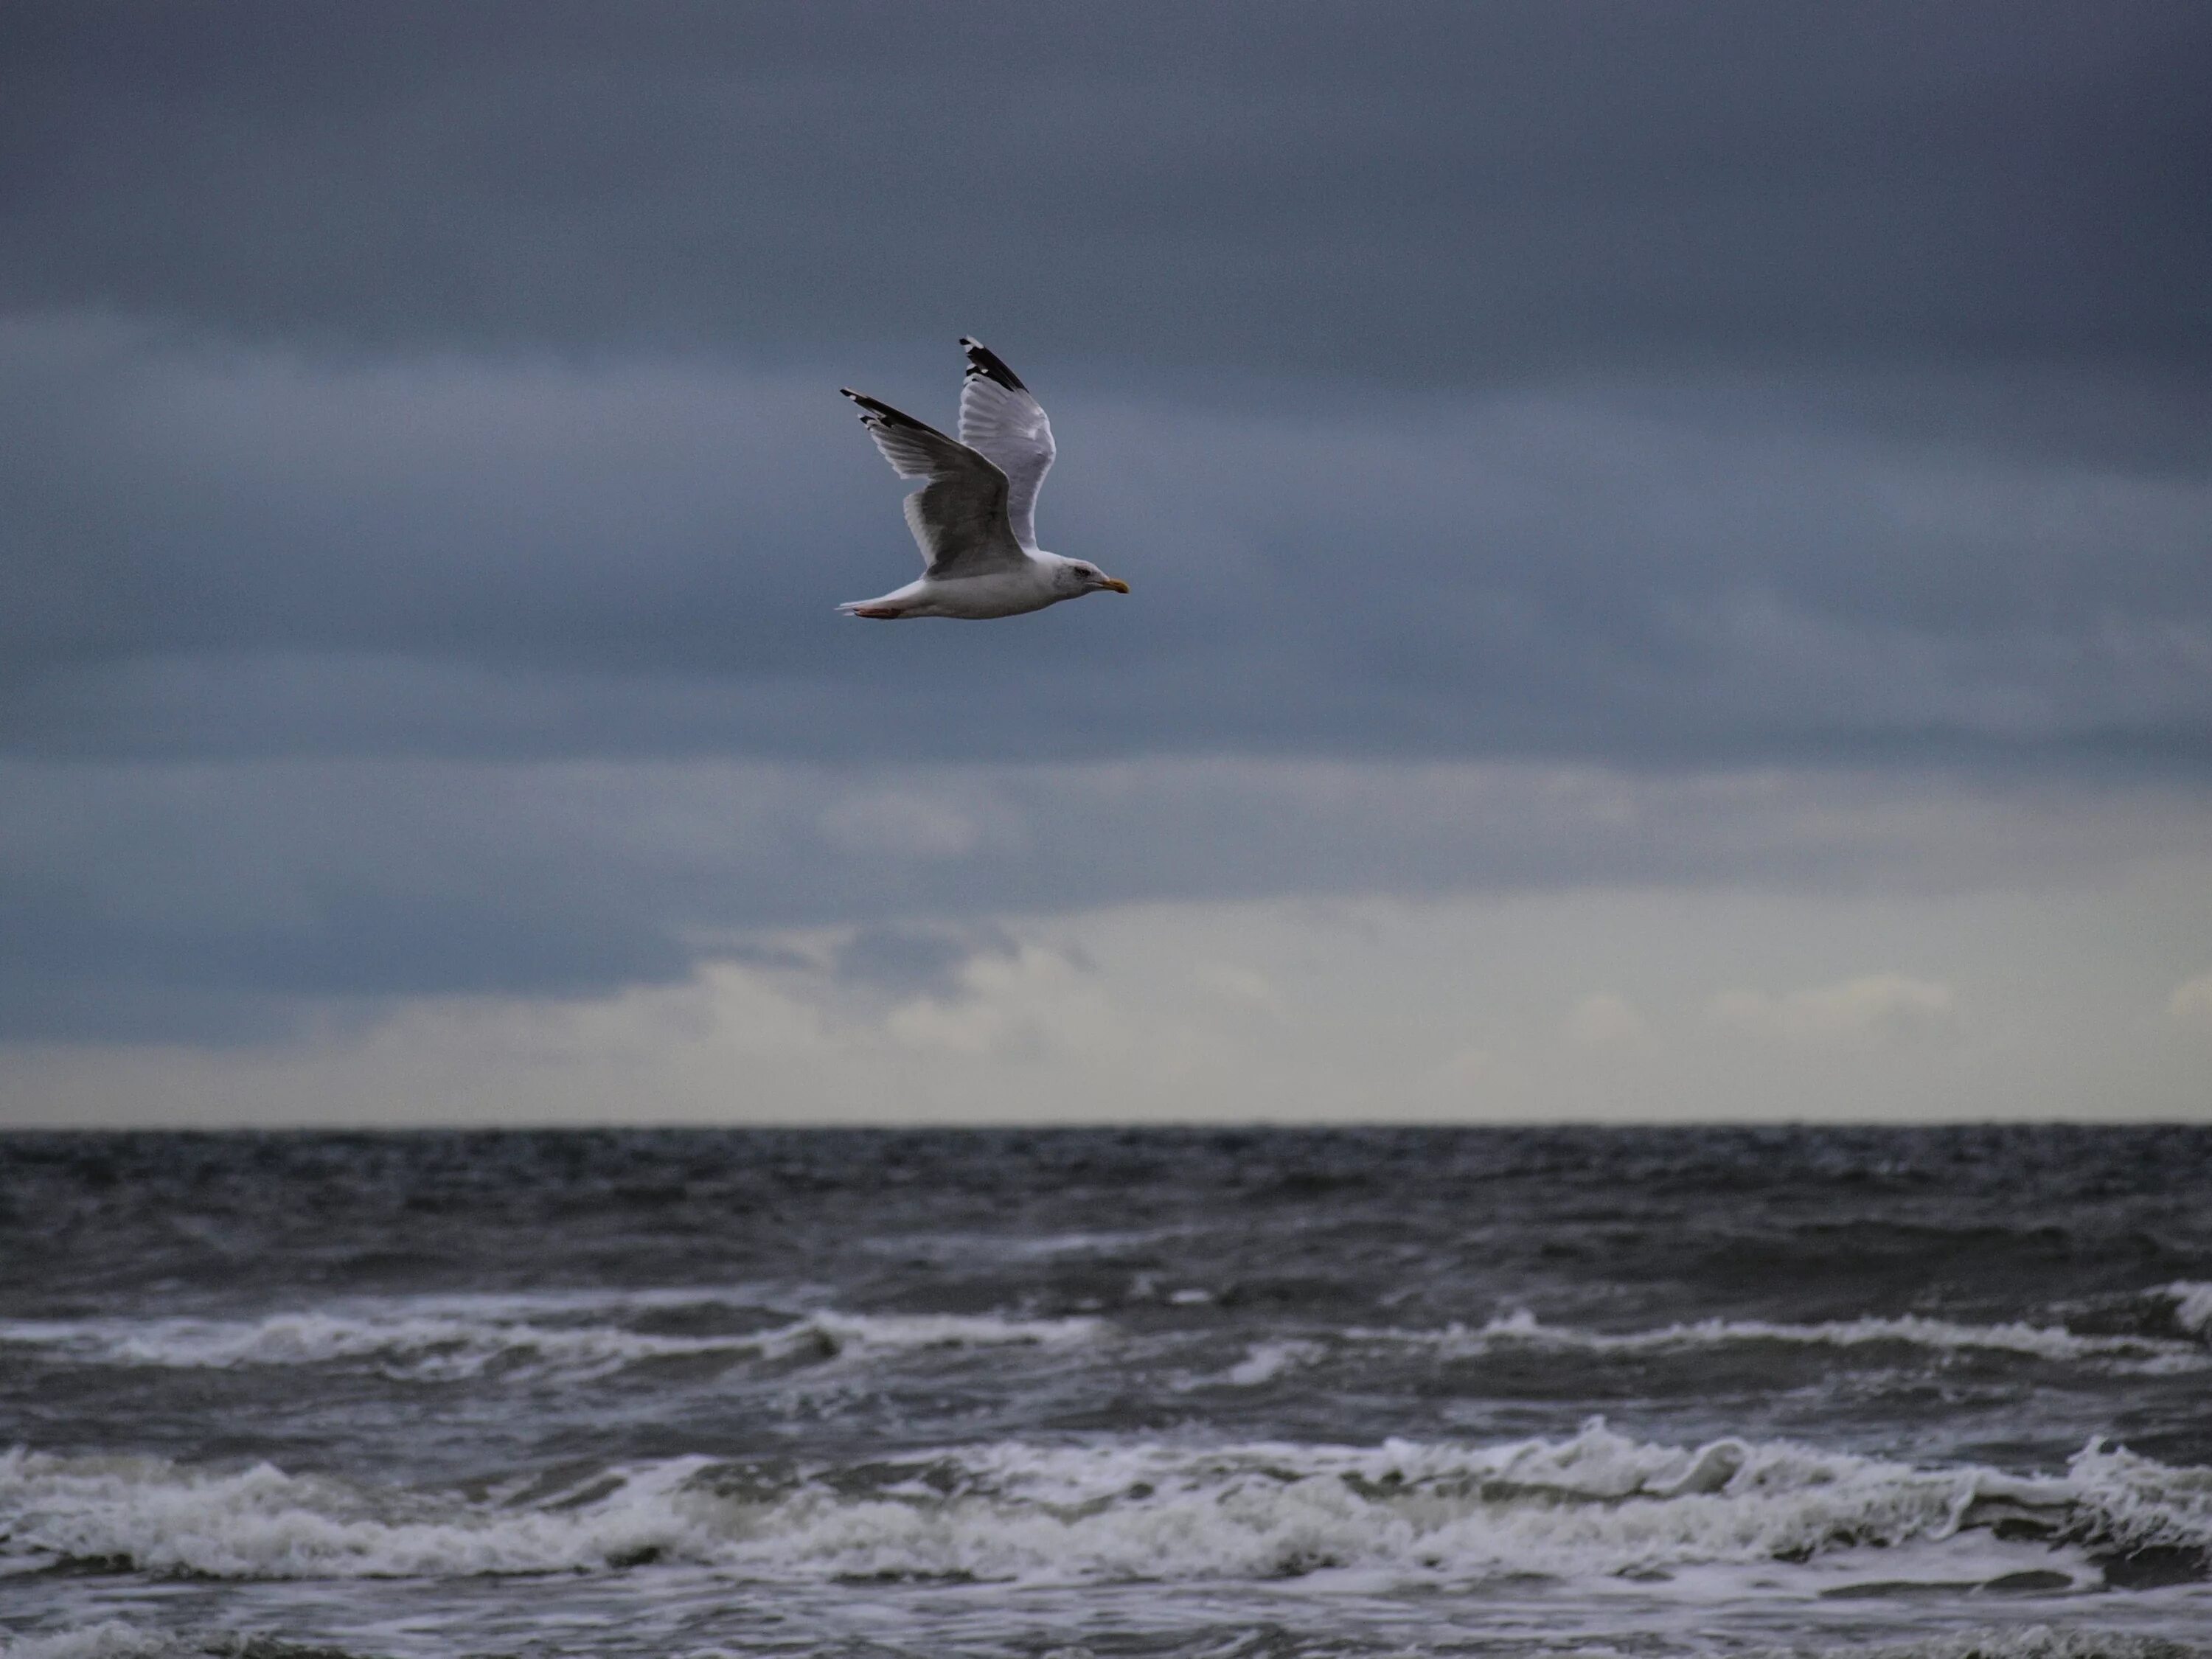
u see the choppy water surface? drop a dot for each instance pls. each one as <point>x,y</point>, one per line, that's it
<point>1494,1392</point>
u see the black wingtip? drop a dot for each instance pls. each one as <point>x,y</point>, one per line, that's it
<point>874,409</point>
<point>982,360</point>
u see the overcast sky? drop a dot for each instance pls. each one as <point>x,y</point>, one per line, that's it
<point>1672,552</point>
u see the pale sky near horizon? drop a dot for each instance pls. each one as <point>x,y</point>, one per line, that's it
<point>1672,557</point>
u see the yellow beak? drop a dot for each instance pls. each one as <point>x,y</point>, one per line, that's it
<point>1115,584</point>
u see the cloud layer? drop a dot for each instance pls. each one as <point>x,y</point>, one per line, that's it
<point>234,553</point>
<point>247,898</point>
<point>1664,455</point>
<point>1429,198</point>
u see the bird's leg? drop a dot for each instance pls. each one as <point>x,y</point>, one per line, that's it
<point>880,612</point>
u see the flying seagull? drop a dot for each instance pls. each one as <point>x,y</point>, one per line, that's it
<point>975,518</point>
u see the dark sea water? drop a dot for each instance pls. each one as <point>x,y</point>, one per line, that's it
<point>1225,1394</point>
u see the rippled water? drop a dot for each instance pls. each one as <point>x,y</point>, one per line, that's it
<point>1636,1392</point>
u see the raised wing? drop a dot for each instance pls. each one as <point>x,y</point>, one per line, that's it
<point>1000,419</point>
<point>959,517</point>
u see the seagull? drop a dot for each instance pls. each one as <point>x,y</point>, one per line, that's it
<point>974,518</point>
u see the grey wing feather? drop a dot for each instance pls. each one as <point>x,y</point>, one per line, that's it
<point>1000,419</point>
<point>959,517</point>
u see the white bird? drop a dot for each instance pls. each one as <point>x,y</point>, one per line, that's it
<point>974,518</point>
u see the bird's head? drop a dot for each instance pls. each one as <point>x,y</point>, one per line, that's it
<point>1087,578</point>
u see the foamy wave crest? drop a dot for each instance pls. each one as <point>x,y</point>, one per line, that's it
<point>2143,1503</point>
<point>1597,1503</point>
<point>2022,1642</point>
<point>115,1638</point>
<point>2193,1305</point>
<point>867,1334</point>
<point>111,1638</point>
<point>2040,1341</point>
<point>263,1524</point>
<point>1264,1362</point>
<point>435,1341</point>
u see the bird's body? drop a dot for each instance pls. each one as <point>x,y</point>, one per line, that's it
<point>975,518</point>
<point>1039,582</point>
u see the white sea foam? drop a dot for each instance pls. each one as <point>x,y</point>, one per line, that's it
<point>2193,1305</point>
<point>891,1333</point>
<point>583,1333</point>
<point>2014,1642</point>
<point>263,1524</point>
<point>447,1338</point>
<point>999,1246</point>
<point>1521,1328</point>
<point>1595,1505</point>
<point>108,1639</point>
<point>2142,1501</point>
<point>1264,1362</point>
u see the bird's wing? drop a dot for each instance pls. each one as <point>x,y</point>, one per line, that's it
<point>1000,420</point>
<point>959,517</point>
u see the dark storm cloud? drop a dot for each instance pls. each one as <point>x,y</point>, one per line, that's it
<point>73,971</point>
<point>1437,193</point>
<point>455,379</point>
<point>232,555</point>
<point>409,406</point>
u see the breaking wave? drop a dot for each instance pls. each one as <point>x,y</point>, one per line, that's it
<point>116,1639</point>
<point>2193,1305</point>
<point>1913,1330</point>
<point>2022,1642</point>
<point>466,1337</point>
<point>1594,1504</point>
<point>584,1335</point>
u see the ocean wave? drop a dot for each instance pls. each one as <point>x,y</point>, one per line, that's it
<point>449,1340</point>
<point>2193,1305</point>
<point>106,1638</point>
<point>587,1333</point>
<point>1521,1328</point>
<point>118,1638</point>
<point>2015,1642</point>
<point>1264,1362</point>
<point>1596,1503</point>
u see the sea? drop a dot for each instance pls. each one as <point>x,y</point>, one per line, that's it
<point>1942,1392</point>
